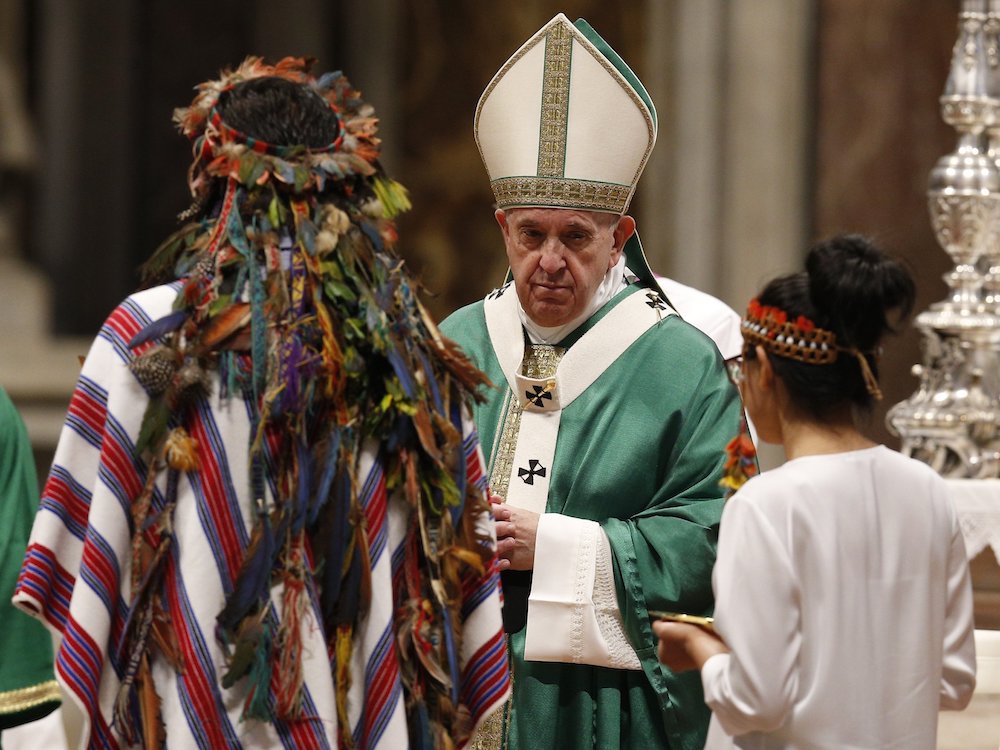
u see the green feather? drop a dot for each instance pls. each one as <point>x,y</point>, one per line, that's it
<point>244,652</point>
<point>251,168</point>
<point>154,425</point>
<point>339,290</point>
<point>391,195</point>
<point>161,266</point>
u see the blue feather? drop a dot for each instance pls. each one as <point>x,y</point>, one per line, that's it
<point>258,296</point>
<point>302,494</point>
<point>372,234</point>
<point>383,297</point>
<point>401,369</point>
<point>420,727</point>
<point>159,328</point>
<point>449,645</point>
<point>257,705</point>
<point>307,235</point>
<point>285,171</point>
<point>461,479</point>
<point>432,381</point>
<point>326,479</point>
<point>327,80</point>
<point>338,535</point>
<point>400,433</point>
<point>350,593</point>
<point>253,582</point>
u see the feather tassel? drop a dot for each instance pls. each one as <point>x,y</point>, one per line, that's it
<point>223,325</point>
<point>330,465</point>
<point>343,647</point>
<point>154,733</point>
<point>253,581</point>
<point>159,328</point>
<point>290,672</point>
<point>259,679</point>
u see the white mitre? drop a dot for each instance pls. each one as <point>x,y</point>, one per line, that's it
<point>565,123</point>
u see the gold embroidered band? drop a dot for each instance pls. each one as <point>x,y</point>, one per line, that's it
<point>555,102</point>
<point>15,701</point>
<point>560,193</point>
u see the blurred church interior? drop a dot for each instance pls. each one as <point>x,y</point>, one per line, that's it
<point>780,122</point>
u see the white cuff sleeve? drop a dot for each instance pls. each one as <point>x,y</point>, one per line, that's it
<point>573,614</point>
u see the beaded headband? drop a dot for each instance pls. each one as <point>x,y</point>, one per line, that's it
<point>800,340</point>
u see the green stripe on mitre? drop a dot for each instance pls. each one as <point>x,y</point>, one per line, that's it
<point>620,65</point>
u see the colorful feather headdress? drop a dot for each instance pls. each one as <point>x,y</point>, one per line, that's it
<point>291,297</point>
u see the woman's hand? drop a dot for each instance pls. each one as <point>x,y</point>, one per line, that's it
<point>684,647</point>
<point>516,530</point>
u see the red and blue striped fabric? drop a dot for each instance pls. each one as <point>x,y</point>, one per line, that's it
<point>76,573</point>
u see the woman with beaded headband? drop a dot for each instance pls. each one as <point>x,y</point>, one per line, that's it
<point>843,610</point>
<point>266,522</point>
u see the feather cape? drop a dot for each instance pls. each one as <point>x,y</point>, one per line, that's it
<point>292,293</point>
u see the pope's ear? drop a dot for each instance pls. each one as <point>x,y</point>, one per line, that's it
<point>501,216</point>
<point>623,230</point>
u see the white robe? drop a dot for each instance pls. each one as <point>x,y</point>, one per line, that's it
<point>708,314</point>
<point>842,588</point>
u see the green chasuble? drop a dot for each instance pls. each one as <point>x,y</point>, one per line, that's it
<point>28,689</point>
<point>639,450</point>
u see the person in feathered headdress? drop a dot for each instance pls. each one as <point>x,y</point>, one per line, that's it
<point>266,521</point>
<point>607,441</point>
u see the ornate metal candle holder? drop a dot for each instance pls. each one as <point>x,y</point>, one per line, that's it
<point>952,421</point>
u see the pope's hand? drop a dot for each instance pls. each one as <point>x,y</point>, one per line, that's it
<point>516,529</point>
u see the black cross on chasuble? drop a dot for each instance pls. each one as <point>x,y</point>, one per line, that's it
<point>535,469</point>
<point>536,394</point>
<point>655,300</point>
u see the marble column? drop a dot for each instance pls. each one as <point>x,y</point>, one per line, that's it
<point>881,68</point>
<point>729,205</point>
<point>732,192</point>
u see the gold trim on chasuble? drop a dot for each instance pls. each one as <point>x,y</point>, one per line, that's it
<point>540,361</point>
<point>15,701</point>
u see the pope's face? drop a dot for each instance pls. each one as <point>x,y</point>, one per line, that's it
<point>559,257</point>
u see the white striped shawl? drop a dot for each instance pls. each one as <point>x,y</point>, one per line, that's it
<point>76,572</point>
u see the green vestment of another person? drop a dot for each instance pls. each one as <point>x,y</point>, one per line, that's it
<point>28,690</point>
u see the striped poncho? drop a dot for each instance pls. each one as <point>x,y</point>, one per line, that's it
<point>76,575</point>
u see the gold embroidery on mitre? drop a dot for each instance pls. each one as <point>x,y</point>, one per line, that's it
<point>560,192</point>
<point>555,102</point>
<point>15,701</point>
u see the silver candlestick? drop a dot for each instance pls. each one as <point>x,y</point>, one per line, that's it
<point>952,421</point>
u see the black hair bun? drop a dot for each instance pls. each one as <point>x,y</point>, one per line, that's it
<point>855,286</point>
